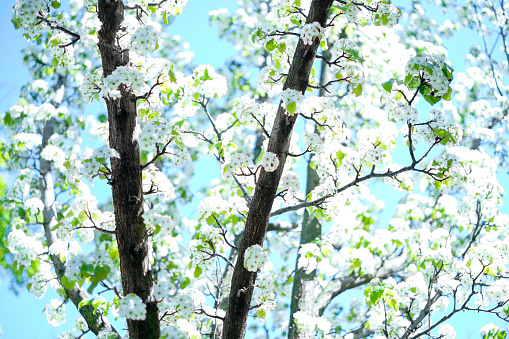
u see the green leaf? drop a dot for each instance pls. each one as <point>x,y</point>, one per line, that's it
<point>392,303</point>
<point>447,96</point>
<point>87,269</point>
<point>271,45</point>
<point>165,89</point>
<point>376,295</point>
<point>210,220</point>
<point>55,4</point>
<point>388,85</point>
<point>85,302</point>
<point>172,76</point>
<point>82,216</point>
<point>431,99</point>
<point>490,271</point>
<point>197,271</point>
<point>165,18</point>
<point>408,78</point>
<point>438,184</point>
<point>101,272</point>
<point>185,282</point>
<point>319,214</point>
<point>340,155</point>
<point>16,22</point>
<point>357,90</point>
<point>261,313</point>
<point>69,284</point>
<point>291,107</point>
<point>96,303</point>
<point>295,21</point>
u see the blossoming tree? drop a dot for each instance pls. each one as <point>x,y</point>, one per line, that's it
<point>258,244</point>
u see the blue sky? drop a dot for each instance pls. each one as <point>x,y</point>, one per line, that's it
<point>20,316</point>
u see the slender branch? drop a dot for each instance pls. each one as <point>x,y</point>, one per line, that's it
<point>202,311</point>
<point>55,25</point>
<point>158,154</point>
<point>147,95</point>
<point>360,179</point>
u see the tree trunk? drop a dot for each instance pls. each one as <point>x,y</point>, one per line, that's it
<point>259,212</point>
<point>131,233</point>
<point>304,284</point>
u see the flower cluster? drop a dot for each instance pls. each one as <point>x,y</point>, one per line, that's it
<point>145,40</point>
<point>251,114</point>
<point>26,12</point>
<point>184,304</point>
<point>132,307</point>
<point>386,14</point>
<point>94,160</point>
<point>208,242</point>
<point>290,181</point>
<point>341,48</point>
<point>309,323</point>
<point>162,288</point>
<point>403,181</point>
<point>313,141</point>
<point>254,258</point>
<point>161,225</point>
<point>432,69</point>
<point>90,88</point>
<point>312,30</point>
<point>123,75</point>
<point>34,205</point>
<point>156,182</point>
<point>174,7</point>
<point>270,161</point>
<point>292,100</point>
<point>237,160</point>
<point>27,140</point>
<point>264,294</point>
<point>404,114</point>
<point>55,313</point>
<point>376,144</point>
<point>211,205</point>
<point>308,255</point>
<point>54,154</point>
<point>24,247</point>
<point>38,283</point>
<point>208,82</point>
<point>61,56</point>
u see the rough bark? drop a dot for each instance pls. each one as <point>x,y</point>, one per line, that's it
<point>131,233</point>
<point>259,212</point>
<point>95,319</point>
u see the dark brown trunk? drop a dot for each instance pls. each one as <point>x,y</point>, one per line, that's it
<point>259,212</point>
<point>131,233</point>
